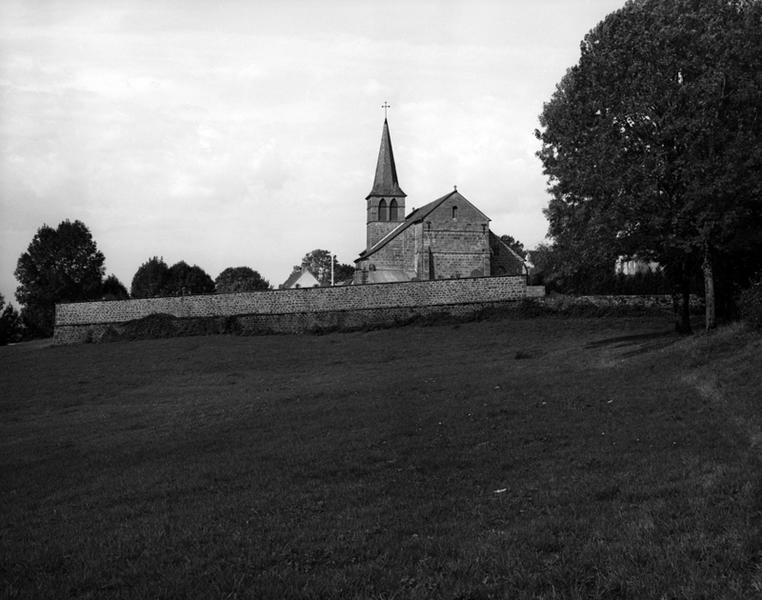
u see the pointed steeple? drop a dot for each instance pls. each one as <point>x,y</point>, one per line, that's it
<point>385,183</point>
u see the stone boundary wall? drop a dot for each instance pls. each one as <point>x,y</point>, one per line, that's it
<point>636,301</point>
<point>535,291</point>
<point>281,311</point>
<point>310,309</point>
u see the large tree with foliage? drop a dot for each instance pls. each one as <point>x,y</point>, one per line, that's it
<point>653,141</point>
<point>113,289</point>
<point>154,278</point>
<point>184,279</point>
<point>319,263</point>
<point>150,279</point>
<point>60,265</point>
<point>240,279</point>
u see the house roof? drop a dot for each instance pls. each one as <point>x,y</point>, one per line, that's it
<point>418,215</point>
<point>385,183</point>
<point>296,275</point>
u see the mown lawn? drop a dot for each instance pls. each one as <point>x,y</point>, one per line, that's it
<point>539,458</point>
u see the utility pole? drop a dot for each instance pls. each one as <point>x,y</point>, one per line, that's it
<point>333,260</point>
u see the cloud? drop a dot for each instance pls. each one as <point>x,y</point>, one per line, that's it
<point>236,133</point>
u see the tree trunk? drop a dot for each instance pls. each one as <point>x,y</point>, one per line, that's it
<point>682,303</point>
<point>685,312</point>
<point>710,317</point>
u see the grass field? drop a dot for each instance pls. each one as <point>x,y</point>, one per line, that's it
<point>537,458</point>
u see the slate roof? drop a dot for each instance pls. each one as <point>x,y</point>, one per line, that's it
<point>385,182</point>
<point>418,215</point>
<point>506,257</point>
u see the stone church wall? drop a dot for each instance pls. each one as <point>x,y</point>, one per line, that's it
<point>455,235</point>
<point>287,311</point>
<point>397,254</point>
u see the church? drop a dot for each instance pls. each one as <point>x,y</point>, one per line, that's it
<point>448,238</point>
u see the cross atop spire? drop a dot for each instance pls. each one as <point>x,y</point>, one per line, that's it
<point>385,183</point>
<point>385,106</point>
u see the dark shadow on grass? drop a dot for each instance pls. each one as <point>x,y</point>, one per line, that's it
<point>637,344</point>
<point>626,340</point>
<point>649,348</point>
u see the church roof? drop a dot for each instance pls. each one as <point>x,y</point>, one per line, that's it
<point>502,255</point>
<point>418,215</point>
<point>385,182</point>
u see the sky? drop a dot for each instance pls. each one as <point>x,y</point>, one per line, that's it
<point>245,133</point>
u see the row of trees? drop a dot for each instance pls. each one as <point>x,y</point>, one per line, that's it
<point>63,264</point>
<point>653,145</point>
<point>559,272</point>
<point>155,278</point>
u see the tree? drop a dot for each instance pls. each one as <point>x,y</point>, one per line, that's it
<point>319,263</point>
<point>150,279</point>
<point>183,279</point>
<point>60,265</point>
<point>342,272</point>
<point>653,142</point>
<point>10,323</point>
<point>113,289</point>
<point>154,278</point>
<point>240,279</point>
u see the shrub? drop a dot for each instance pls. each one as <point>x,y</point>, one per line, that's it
<point>10,324</point>
<point>750,305</point>
<point>113,289</point>
<point>240,279</point>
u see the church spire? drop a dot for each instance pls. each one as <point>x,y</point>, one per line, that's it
<point>385,182</point>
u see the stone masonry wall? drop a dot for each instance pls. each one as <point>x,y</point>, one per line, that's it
<point>609,301</point>
<point>298,309</point>
<point>457,240</point>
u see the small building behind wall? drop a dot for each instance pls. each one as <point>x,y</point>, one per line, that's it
<point>301,277</point>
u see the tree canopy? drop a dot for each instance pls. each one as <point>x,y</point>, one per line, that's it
<point>150,279</point>
<point>184,279</point>
<point>653,142</point>
<point>154,278</point>
<point>113,289</point>
<point>240,279</point>
<point>60,265</point>
<point>319,263</point>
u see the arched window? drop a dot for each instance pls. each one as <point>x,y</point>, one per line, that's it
<point>382,216</point>
<point>454,212</point>
<point>393,210</point>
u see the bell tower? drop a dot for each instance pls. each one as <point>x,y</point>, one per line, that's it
<point>386,201</point>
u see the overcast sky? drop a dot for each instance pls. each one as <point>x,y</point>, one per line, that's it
<point>231,133</point>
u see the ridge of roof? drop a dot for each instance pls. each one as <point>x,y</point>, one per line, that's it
<point>385,182</point>
<point>417,215</point>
